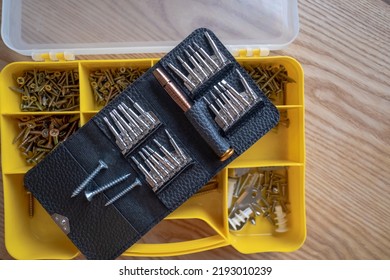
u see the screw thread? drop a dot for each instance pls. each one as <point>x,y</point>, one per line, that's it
<point>110,184</point>
<point>137,182</point>
<point>102,165</point>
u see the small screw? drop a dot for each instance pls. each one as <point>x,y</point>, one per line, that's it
<point>102,165</point>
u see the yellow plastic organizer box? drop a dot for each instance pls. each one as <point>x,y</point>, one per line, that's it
<point>36,236</point>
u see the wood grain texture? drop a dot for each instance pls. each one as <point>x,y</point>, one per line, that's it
<point>343,47</point>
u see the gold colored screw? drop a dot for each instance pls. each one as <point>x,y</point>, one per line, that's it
<point>272,80</point>
<point>39,135</point>
<point>30,198</point>
<point>43,90</point>
<point>107,84</point>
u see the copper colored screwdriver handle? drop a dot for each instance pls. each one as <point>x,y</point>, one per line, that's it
<point>197,116</point>
<point>172,90</point>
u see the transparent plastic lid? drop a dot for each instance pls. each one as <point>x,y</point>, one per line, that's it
<point>133,26</point>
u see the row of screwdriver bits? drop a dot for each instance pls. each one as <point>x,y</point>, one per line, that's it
<point>130,127</point>
<point>201,66</point>
<point>161,168</point>
<point>231,104</point>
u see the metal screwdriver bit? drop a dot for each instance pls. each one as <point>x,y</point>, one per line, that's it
<point>134,125</point>
<point>248,89</point>
<point>171,157</point>
<point>118,139</point>
<point>201,61</point>
<point>149,178</point>
<point>190,85</point>
<point>198,68</point>
<point>178,150</point>
<point>208,58</point>
<point>140,110</point>
<point>125,136</point>
<point>240,107</point>
<point>152,168</point>
<point>222,107</point>
<point>163,160</point>
<point>217,53</point>
<point>220,120</point>
<point>233,91</point>
<point>164,172</point>
<point>235,112</point>
<point>129,114</point>
<point>129,130</point>
<point>189,70</point>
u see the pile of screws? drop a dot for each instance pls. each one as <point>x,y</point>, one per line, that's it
<point>38,136</point>
<point>46,90</point>
<point>272,80</point>
<point>260,192</point>
<point>107,84</point>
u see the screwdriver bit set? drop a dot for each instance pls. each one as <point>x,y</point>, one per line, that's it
<point>200,68</point>
<point>161,168</point>
<point>152,147</point>
<point>129,127</point>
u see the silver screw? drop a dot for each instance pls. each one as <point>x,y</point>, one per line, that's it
<point>90,194</point>
<point>102,165</point>
<point>137,182</point>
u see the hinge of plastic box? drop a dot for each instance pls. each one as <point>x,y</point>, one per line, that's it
<point>53,56</point>
<point>250,52</point>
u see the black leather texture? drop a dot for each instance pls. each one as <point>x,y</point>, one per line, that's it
<point>203,122</point>
<point>105,232</point>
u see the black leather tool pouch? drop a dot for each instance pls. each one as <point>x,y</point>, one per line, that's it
<point>142,155</point>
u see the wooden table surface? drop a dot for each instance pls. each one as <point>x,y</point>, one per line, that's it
<point>343,47</point>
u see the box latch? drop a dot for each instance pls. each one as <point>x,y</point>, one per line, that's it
<point>53,56</point>
<point>250,52</point>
